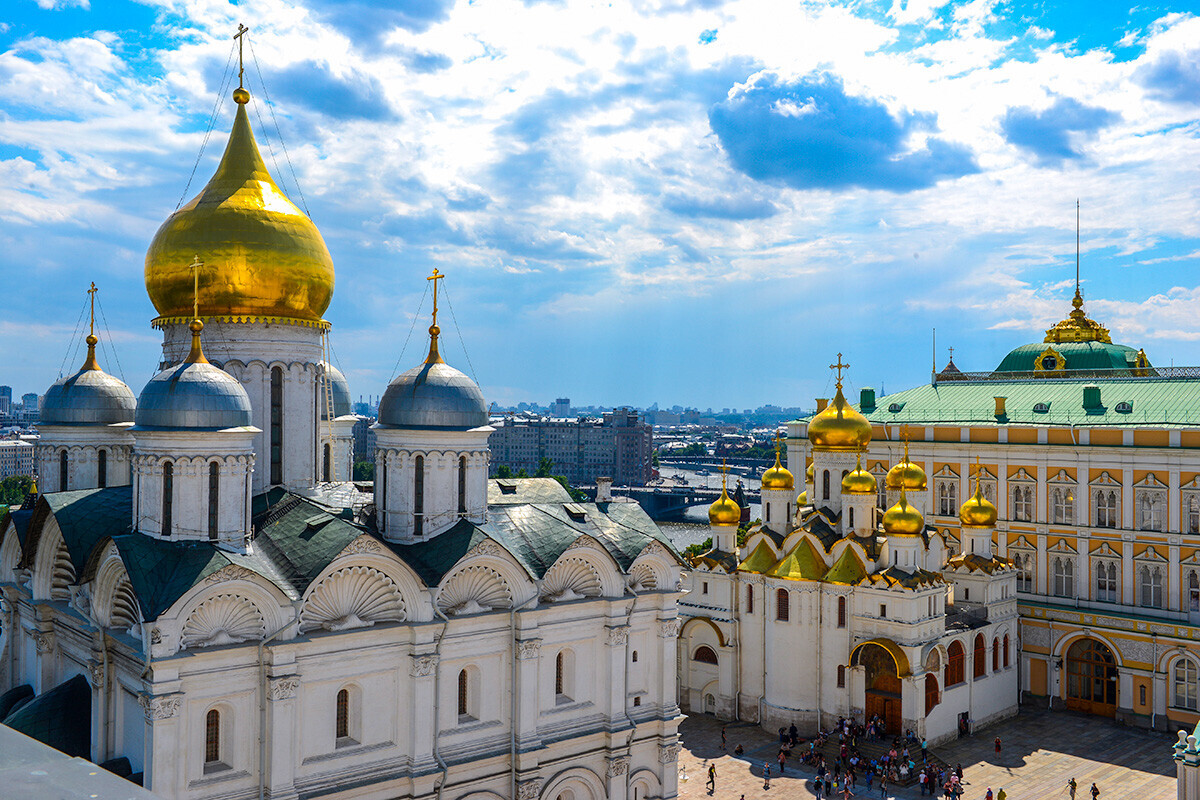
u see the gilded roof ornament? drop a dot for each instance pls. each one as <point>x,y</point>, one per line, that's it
<point>1077,327</point>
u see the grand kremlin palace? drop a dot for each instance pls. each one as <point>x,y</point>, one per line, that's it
<point>1092,458</point>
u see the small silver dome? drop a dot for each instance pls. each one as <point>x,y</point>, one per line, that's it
<point>89,397</point>
<point>193,395</point>
<point>433,395</point>
<point>341,392</point>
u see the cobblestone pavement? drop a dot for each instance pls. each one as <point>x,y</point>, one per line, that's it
<point>1041,751</point>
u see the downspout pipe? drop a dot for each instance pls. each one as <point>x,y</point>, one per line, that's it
<point>262,701</point>
<point>512,728</point>
<point>625,703</point>
<point>437,688</point>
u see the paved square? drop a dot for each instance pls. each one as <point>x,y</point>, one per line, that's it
<point>1041,751</point>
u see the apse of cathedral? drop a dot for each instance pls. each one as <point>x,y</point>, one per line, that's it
<point>197,596</point>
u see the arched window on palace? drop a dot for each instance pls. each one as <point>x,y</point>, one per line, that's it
<point>168,496</point>
<point>1193,591</point>
<point>1064,577</point>
<point>462,485</point>
<point>1192,505</point>
<point>419,496</point>
<point>782,605</point>
<point>214,498</point>
<point>343,714</point>
<point>995,655</point>
<point>749,599</point>
<point>825,484</point>
<point>931,693</point>
<point>212,738</point>
<point>276,422</point>
<point>102,468</point>
<point>1106,508</point>
<point>1150,580</point>
<point>979,660</point>
<point>841,676</point>
<point>1006,651</point>
<point>1185,677</point>
<point>955,656</point>
<point>1106,582</point>
<point>841,612</point>
<point>704,655</point>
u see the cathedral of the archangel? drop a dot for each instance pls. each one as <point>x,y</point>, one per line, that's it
<point>198,597</point>
<point>833,607</point>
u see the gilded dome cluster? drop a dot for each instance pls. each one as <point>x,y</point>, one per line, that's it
<point>903,520</point>
<point>263,258</point>
<point>839,428</point>
<point>978,511</point>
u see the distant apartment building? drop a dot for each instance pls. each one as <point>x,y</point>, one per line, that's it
<point>16,457</point>
<point>364,439</point>
<point>6,406</point>
<point>29,402</point>
<point>561,407</point>
<point>618,445</point>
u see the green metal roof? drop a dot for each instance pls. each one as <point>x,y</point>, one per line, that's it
<point>512,491</point>
<point>87,516</point>
<point>60,718</point>
<point>1155,402</point>
<point>1076,355</point>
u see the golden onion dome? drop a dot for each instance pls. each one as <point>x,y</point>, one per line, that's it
<point>263,258</point>
<point>839,428</point>
<point>858,481</point>
<point>778,477</point>
<point>809,473</point>
<point>903,520</point>
<point>802,499</point>
<point>978,511</point>
<point>724,511</point>
<point>907,475</point>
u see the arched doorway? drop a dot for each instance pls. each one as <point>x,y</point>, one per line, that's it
<point>1091,678</point>
<point>883,691</point>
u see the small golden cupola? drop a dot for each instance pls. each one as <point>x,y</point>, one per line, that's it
<point>778,476</point>
<point>859,481</point>
<point>724,512</point>
<point>907,475</point>
<point>902,519</point>
<point>839,428</point>
<point>978,511</point>
<point>266,259</point>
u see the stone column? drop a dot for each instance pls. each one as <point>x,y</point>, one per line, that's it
<point>617,777</point>
<point>668,670</point>
<point>528,654</point>
<point>164,743</point>
<point>668,759</point>
<point>616,637</point>
<point>281,732</point>
<point>421,709</point>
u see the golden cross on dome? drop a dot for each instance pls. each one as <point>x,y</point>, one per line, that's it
<point>839,366</point>
<point>778,439</point>
<point>92,298</point>
<point>242,30</point>
<point>951,353</point>
<point>435,277</point>
<point>724,473</point>
<point>195,268</point>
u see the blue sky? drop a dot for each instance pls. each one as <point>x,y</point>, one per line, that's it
<point>637,201</point>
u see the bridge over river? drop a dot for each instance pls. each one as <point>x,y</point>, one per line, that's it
<point>669,502</point>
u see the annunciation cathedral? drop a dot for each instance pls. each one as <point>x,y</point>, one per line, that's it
<point>199,598</point>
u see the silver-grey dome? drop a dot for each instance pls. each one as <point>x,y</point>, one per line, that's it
<point>433,396</point>
<point>341,392</point>
<point>193,396</point>
<point>89,397</point>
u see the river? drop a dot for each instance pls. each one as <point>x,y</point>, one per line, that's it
<point>693,528</point>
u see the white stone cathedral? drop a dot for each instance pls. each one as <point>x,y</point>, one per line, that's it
<point>200,599</point>
<point>832,608</point>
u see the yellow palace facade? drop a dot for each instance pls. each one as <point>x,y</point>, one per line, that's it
<point>1092,458</point>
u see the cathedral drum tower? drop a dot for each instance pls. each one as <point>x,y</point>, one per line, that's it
<point>262,277</point>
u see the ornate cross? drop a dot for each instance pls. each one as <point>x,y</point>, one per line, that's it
<point>242,30</point>
<point>952,354</point>
<point>92,298</point>
<point>724,472</point>
<point>839,366</point>
<point>435,277</point>
<point>195,268</point>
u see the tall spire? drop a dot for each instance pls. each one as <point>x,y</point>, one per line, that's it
<point>1077,327</point>
<point>434,356</point>
<point>1078,296</point>
<point>90,362</point>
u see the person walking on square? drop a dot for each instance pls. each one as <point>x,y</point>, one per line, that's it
<point>712,778</point>
<point>997,747</point>
<point>989,795</point>
<point>882,787</point>
<point>924,750</point>
<point>766,775</point>
<point>722,737</point>
<point>782,761</point>
<point>1095,791</point>
<point>1001,795</point>
<point>1071,787</point>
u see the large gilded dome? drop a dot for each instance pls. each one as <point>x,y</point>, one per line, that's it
<point>859,481</point>
<point>778,477</point>
<point>263,258</point>
<point>903,520</point>
<point>724,511</point>
<point>907,475</point>
<point>839,428</point>
<point>978,511</point>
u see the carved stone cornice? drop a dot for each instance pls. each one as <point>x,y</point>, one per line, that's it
<point>616,637</point>
<point>618,765</point>
<point>363,545</point>
<point>284,687</point>
<point>423,665</point>
<point>529,790</point>
<point>668,628</point>
<point>232,572</point>
<point>43,641</point>
<point>160,707</point>
<point>668,753</point>
<point>528,649</point>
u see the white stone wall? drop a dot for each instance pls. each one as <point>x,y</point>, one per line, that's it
<point>82,445</point>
